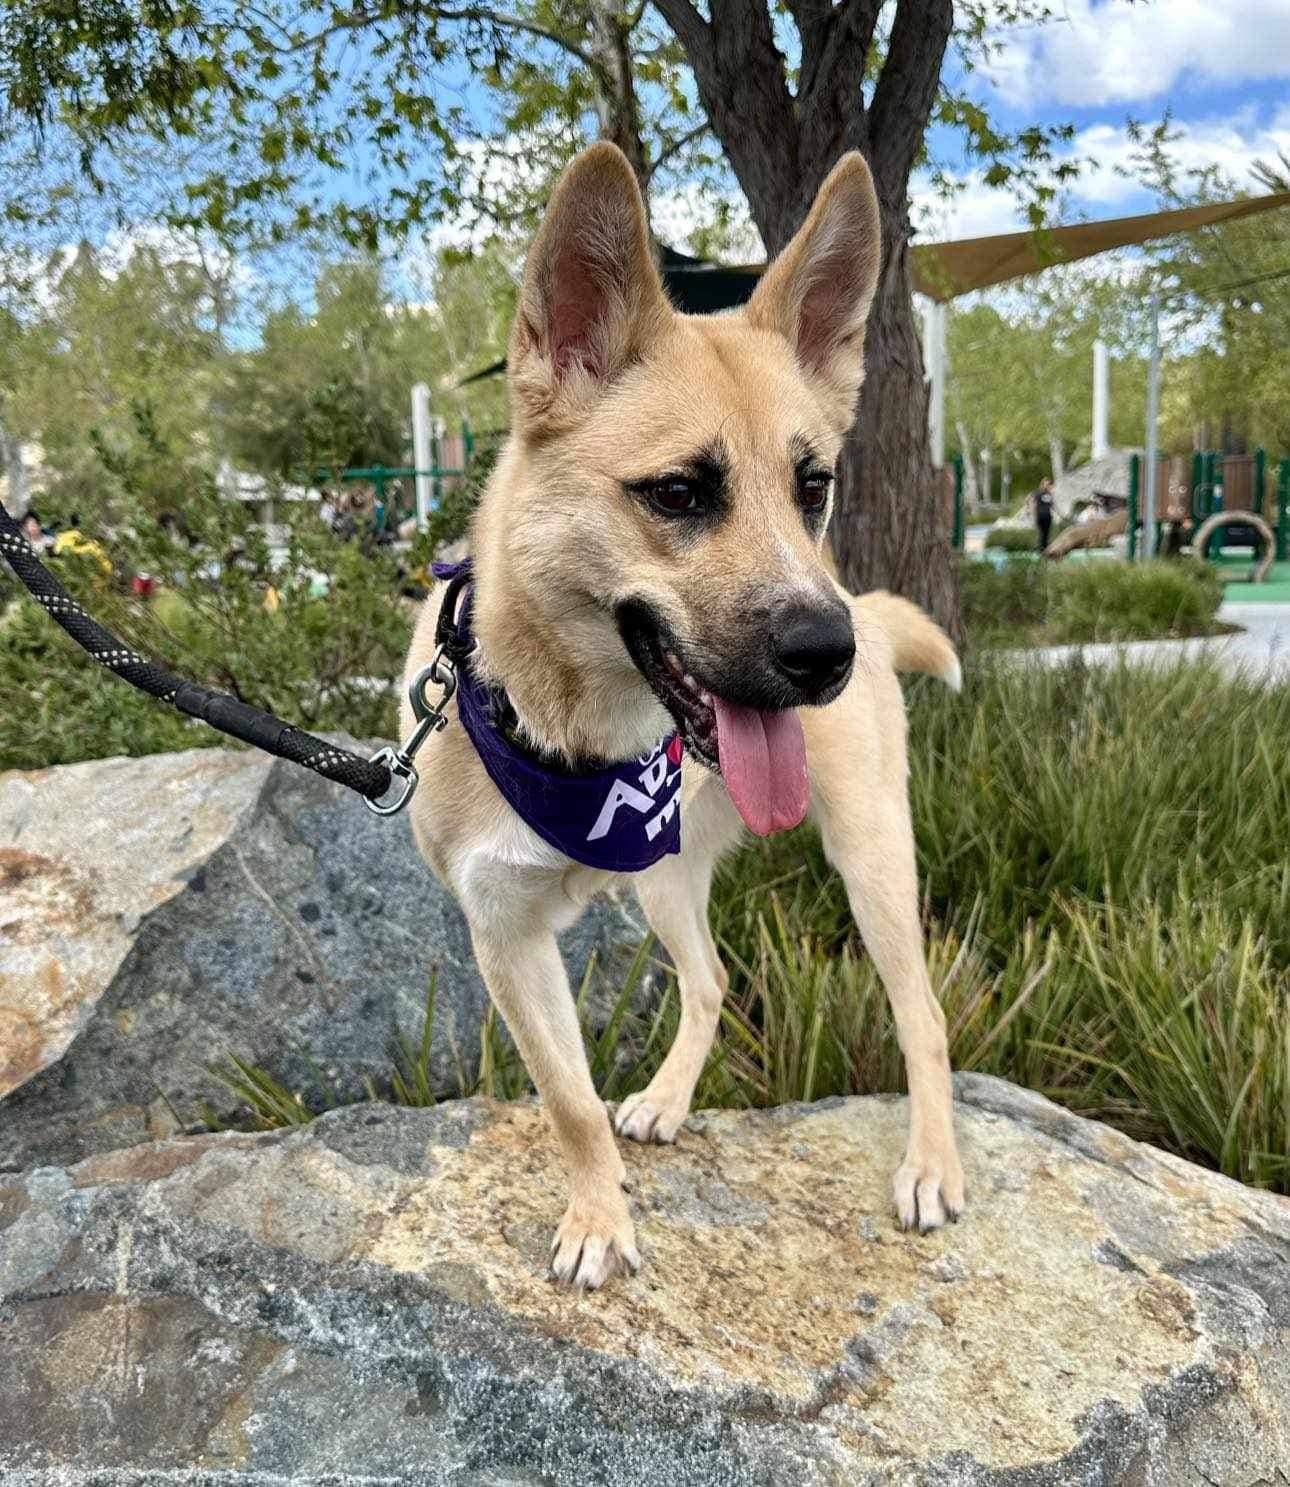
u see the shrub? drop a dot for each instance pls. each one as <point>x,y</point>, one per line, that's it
<point>60,707</point>
<point>1003,605</point>
<point>1013,539</point>
<point>1021,539</point>
<point>1104,599</point>
<point>1098,599</point>
<point>315,632</point>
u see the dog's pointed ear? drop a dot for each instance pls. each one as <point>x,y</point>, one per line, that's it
<point>818,291</point>
<point>592,302</point>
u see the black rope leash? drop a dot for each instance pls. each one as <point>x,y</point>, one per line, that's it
<point>371,778</point>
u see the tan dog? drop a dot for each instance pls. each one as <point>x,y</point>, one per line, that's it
<point>649,555</point>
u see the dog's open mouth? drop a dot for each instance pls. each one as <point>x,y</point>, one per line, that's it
<point>760,753</point>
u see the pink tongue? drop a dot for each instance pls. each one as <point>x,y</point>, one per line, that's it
<point>763,762</point>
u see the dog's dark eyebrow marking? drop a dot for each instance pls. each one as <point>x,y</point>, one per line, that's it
<point>804,455</point>
<point>712,465</point>
<point>709,471</point>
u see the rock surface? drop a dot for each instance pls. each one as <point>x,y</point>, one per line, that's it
<point>364,1301</point>
<point>158,914</point>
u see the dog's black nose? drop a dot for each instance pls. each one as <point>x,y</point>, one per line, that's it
<point>814,647</point>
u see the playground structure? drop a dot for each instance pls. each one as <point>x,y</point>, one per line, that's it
<point>1230,497</point>
<point>1219,486</point>
<point>1221,494</point>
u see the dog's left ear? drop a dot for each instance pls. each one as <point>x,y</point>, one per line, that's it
<point>818,291</point>
<point>592,301</point>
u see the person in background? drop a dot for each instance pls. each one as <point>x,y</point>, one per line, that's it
<point>1177,531</point>
<point>1042,501</point>
<point>33,530</point>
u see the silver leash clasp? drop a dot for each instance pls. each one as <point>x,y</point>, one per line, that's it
<point>431,717</point>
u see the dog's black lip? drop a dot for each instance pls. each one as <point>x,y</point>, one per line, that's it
<point>648,641</point>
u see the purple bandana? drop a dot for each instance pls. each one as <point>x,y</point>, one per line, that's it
<point>622,818</point>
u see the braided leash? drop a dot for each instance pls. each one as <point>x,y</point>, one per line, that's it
<point>371,778</point>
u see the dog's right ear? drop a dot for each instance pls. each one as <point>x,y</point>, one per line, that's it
<point>592,301</point>
<point>818,291</point>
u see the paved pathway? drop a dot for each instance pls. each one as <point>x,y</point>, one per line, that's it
<point>1262,648</point>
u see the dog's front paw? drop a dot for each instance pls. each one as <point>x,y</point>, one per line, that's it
<point>928,1188</point>
<point>651,1116</point>
<point>593,1244</point>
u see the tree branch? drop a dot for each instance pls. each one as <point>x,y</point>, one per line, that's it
<point>516,23</point>
<point>359,21</point>
<point>902,101</point>
<point>692,31</point>
<point>835,46</point>
<point>677,146</point>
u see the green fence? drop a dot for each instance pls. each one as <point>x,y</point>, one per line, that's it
<point>380,477</point>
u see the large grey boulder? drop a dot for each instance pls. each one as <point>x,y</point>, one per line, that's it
<point>365,1301</point>
<point>158,914</point>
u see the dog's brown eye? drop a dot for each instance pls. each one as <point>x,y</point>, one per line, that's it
<point>815,489</point>
<point>675,496</point>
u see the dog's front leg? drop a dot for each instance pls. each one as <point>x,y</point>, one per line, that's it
<point>528,984</point>
<point>872,846</point>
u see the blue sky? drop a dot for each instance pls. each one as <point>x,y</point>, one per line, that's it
<point>1222,67</point>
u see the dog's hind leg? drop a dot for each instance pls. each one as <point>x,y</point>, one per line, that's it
<point>527,981</point>
<point>860,797</point>
<point>674,896</point>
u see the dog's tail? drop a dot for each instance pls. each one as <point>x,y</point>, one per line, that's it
<point>917,642</point>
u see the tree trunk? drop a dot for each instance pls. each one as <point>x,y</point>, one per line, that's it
<point>617,106</point>
<point>892,525</point>
<point>971,485</point>
<point>1057,455</point>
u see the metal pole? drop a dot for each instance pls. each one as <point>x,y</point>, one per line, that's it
<point>436,460</point>
<point>934,362</point>
<point>1101,400</point>
<point>1283,513</point>
<point>958,503</point>
<point>1153,416</point>
<point>1135,481</point>
<point>421,457</point>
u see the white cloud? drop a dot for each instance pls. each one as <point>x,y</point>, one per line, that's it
<point>1103,188</point>
<point>39,274</point>
<point>1106,51</point>
<point>677,215</point>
